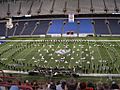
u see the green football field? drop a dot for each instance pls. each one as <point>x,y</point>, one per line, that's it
<point>83,55</point>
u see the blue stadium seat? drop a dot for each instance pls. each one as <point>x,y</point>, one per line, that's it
<point>100,27</point>
<point>2,29</point>
<point>114,26</point>
<point>19,27</point>
<point>56,27</point>
<point>85,26</point>
<point>14,87</point>
<point>70,26</point>
<point>42,28</point>
<point>29,28</point>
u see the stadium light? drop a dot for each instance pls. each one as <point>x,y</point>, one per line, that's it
<point>78,22</point>
<point>93,22</point>
<point>27,15</point>
<point>64,22</point>
<point>115,13</point>
<point>50,23</point>
<point>118,21</point>
<point>106,22</point>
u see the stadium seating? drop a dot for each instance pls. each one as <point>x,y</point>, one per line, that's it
<point>85,26</point>
<point>69,26</point>
<point>19,28</point>
<point>29,7</point>
<point>114,26</point>
<point>101,27</point>
<point>56,27</point>
<point>2,29</point>
<point>12,31</point>
<point>29,28</point>
<point>59,45</point>
<point>44,27</point>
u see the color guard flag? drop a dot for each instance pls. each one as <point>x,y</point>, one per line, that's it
<point>71,18</point>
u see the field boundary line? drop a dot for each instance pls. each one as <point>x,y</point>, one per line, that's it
<point>80,74</point>
<point>61,40</point>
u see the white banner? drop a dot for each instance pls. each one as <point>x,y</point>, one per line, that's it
<point>71,18</point>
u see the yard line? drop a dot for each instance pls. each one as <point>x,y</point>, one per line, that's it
<point>115,50</point>
<point>40,50</point>
<point>81,53</point>
<point>117,54</point>
<point>99,53</point>
<point>90,55</point>
<point>71,56</point>
<point>62,40</point>
<point>59,61</point>
<point>15,44</point>
<point>44,48</point>
<point>32,49</point>
<point>82,49</point>
<point>118,43</point>
<point>22,52</point>
<point>55,50</point>
<point>119,46</point>
<point>110,56</point>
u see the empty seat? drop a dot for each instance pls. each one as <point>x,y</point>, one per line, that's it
<point>2,29</point>
<point>42,28</point>
<point>114,26</point>
<point>101,27</point>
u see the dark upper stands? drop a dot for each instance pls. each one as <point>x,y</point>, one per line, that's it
<point>44,7</point>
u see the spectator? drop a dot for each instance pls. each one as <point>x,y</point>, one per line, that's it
<point>63,84</point>
<point>58,86</point>
<point>91,85</point>
<point>52,85</point>
<point>100,86</point>
<point>106,86</point>
<point>114,85</point>
<point>71,84</point>
<point>2,88</point>
<point>82,86</point>
<point>35,85</point>
<point>14,87</point>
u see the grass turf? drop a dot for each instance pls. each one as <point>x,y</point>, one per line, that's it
<point>85,56</point>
